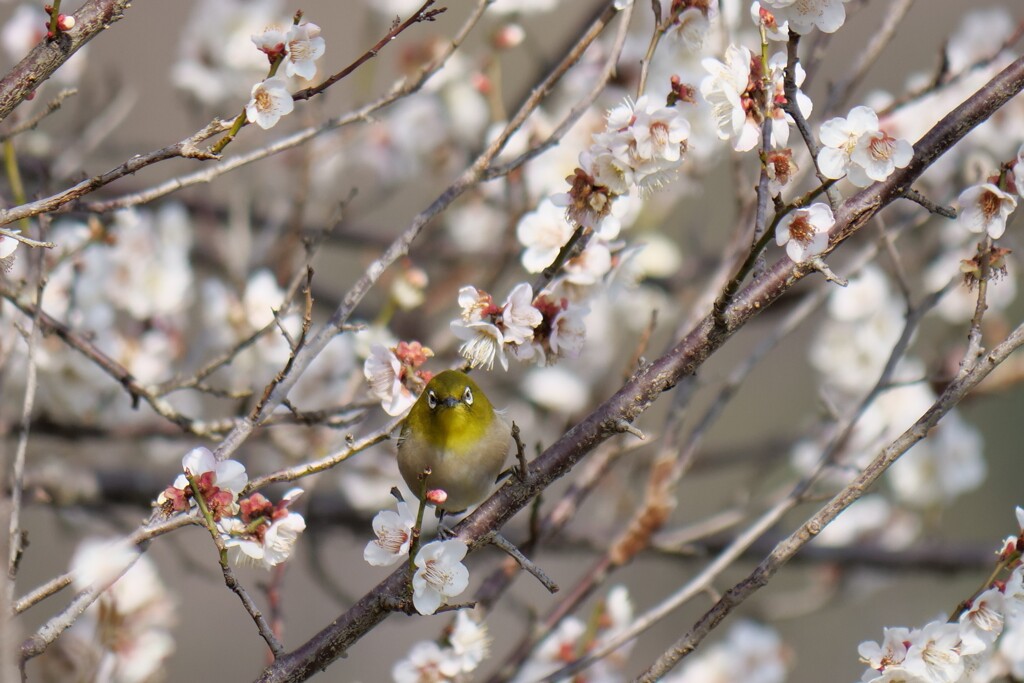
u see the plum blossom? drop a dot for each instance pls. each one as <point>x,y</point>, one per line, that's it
<point>982,622</point>
<point>804,16</point>
<point>124,636</point>
<point>8,245</point>
<point>855,147</point>
<point>440,574</point>
<point>934,652</point>
<point>804,232</point>
<point>1018,171</point>
<point>305,46</point>
<point>470,642</point>
<point>394,536</point>
<point>486,328</point>
<point>271,41</point>
<point>270,101</point>
<point>775,29</point>
<point>219,483</point>
<point>734,89</point>
<point>427,662</point>
<point>751,653</point>
<point>985,208</point>
<point>394,376</point>
<point>266,533</point>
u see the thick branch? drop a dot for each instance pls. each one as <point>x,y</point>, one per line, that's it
<point>48,55</point>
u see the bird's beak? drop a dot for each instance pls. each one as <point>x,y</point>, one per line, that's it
<point>450,402</point>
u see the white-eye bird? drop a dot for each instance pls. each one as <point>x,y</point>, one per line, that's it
<point>454,432</point>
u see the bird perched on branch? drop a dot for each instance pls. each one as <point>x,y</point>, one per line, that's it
<point>453,441</point>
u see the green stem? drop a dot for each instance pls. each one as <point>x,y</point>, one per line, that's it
<point>14,178</point>
<point>54,13</point>
<point>211,525</point>
<point>241,121</point>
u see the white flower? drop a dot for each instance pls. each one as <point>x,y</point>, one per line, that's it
<point>519,317</point>
<point>856,148</point>
<point>806,15</point>
<point>751,652</point>
<point>804,232</point>
<point>470,641</point>
<point>270,101</point>
<point>984,208</point>
<point>394,536</point>
<point>692,26</point>
<point>542,232</point>
<point>892,651</point>
<point>426,663</point>
<point>723,90</point>
<point>97,564</point>
<point>227,474</point>
<point>271,40</point>
<point>8,245</point>
<point>382,370</point>
<point>305,46</point>
<point>483,342</point>
<point>124,634</point>
<point>440,574</point>
<point>879,154</point>
<point>550,655</point>
<point>934,653</point>
<point>659,132</point>
<point>736,98</point>
<point>1013,595</point>
<point>982,623</point>
<point>487,328</point>
<point>1019,511</point>
<point>776,29</point>
<point>266,534</point>
<point>1018,171</point>
<point>568,331</point>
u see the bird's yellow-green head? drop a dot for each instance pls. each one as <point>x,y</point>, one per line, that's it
<point>452,412</point>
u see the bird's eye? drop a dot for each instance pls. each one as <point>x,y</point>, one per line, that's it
<point>431,399</point>
<point>467,396</point>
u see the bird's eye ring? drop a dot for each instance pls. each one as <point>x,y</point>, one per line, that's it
<point>467,396</point>
<point>431,399</point>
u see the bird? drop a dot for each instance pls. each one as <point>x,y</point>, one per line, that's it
<point>456,440</point>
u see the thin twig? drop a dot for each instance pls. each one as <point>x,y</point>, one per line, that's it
<point>840,91</point>
<point>787,548</point>
<point>33,121</point>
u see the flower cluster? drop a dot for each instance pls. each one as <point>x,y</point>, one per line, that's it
<point>262,533</point>
<point>575,636</point>
<point>125,635</point>
<point>465,648</point>
<point>8,245</point>
<point>265,533</point>
<point>692,21</point>
<point>488,329</point>
<point>298,48</point>
<point>865,320</point>
<point>540,329</point>
<point>985,207</point>
<point>750,653</point>
<point>217,483</point>
<point>857,148</point>
<point>394,374</point>
<point>804,232</point>
<point>439,575</point>
<point>803,16</point>
<point>982,643</point>
<point>641,148</point>
<point>742,96</point>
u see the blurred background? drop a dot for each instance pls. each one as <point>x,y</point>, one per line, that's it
<point>142,86</point>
